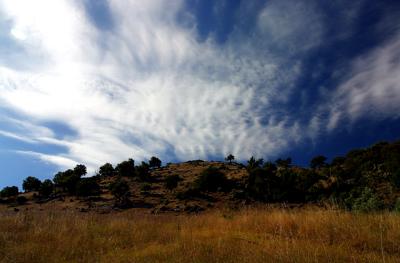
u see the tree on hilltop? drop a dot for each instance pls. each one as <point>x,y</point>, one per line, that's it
<point>126,168</point>
<point>252,163</point>
<point>154,162</point>
<point>31,184</point>
<point>9,191</point>
<point>318,162</point>
<point>106,170</point>
<point>46,188</point>
<point>230,158</point>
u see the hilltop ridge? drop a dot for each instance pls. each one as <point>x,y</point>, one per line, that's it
<point>365,179</point>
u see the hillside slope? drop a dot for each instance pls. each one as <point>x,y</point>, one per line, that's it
<point>365,179</point>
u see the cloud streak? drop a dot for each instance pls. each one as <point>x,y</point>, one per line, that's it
<point>147,86</point>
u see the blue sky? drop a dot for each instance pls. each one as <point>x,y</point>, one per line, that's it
<point>102,81</point>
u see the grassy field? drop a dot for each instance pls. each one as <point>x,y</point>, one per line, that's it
<point>262,235</point>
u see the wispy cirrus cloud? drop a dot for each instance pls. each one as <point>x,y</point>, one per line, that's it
<point>147,85</point>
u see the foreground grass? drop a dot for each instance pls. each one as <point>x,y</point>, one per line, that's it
<point>246,236</point>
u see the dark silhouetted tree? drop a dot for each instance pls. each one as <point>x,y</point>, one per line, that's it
<point>154,162</point>
<point>263,184</point>
<point>46,188</point>
<point>120,190</point>
<point>31,184</point>
<point>80,170</point>
<point>67,180</point>
<point>252,163</point>
<point>284,163</point>
<point>106,170</point>
<point>230,158</point>
<point>9,191</point>
<point>211,179</point>
<point>338,161</point>
<point>126,168</point>
<point>88,187</point>
<point>270,167</point>
<point>318,162</point>
<point>143,171</point>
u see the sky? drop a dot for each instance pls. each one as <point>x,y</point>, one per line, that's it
<point>96,81</point>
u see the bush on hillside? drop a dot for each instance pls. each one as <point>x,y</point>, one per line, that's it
<point>318,162</point>
<point>46,188</point>
<point>252,163</point>
<point>368,201</point>
<point>120,190</point>
<point>171,181</point>
<point>396,207</point>
<point>9,191</point>
<point>145,187</point>
<point>262,184</point>
<point>211,179</point>
<point>143,171</point>
<point>88,187</point>
<point>189,194</point>
<point>284,163</point>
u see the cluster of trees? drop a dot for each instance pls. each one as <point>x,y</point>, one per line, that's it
<point>73,182</point>
<point>365,179</point>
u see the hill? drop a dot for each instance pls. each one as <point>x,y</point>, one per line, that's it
<point>365,180</point>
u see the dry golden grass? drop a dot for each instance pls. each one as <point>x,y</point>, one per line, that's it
<point>262,235</point>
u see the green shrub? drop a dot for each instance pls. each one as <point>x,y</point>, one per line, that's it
<point>318,162</point>
<point>188,194</point>
<point>9,191</point>
<point>88,187</point>
<point>171,181</point>
<point>211,179</point>
<point>46,188</point>
<point>143,171</point>
<point>368,201</point>
<point>120,190</point>
<point>396,207</point>
<point>396,179</point>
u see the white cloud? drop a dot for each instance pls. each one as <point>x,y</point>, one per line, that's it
<point>292,25</point>
<point>147,86</point>
<point>62,162</point>
<point>371,89</point>
<point>16,136</point>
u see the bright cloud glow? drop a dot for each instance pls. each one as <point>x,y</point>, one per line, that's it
<point>148,86</point>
